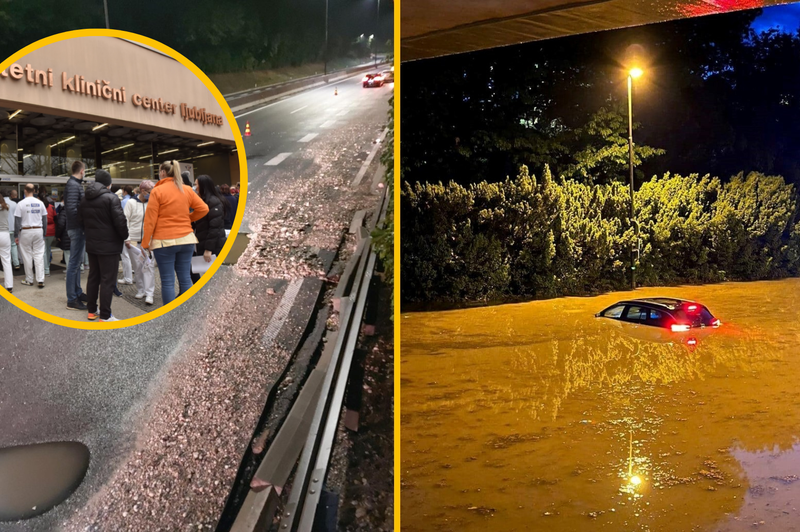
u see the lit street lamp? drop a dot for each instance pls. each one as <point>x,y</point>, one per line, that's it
<point>633,73</point>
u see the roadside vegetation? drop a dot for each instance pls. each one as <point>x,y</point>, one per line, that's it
<point>529,237</point>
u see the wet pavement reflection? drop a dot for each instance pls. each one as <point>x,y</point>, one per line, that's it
<point>34,478</point>
<point>538,416</point>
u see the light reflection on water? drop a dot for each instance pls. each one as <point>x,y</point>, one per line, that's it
<point>537,416</point>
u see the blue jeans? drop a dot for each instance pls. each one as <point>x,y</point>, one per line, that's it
<point>77,243</point>
<point>174,260</point>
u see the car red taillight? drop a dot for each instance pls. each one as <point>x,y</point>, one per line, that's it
<point>680,327</point>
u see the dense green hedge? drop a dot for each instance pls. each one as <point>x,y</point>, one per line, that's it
<point>537,238</point>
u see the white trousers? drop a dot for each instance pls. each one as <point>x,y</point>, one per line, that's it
<point>145,277</point>
<point>5,257</point>
<point>127,269</point>
<point>31,247</point>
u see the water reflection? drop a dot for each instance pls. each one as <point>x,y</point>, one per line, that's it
<point>548,417</point>
<point>771,502</point>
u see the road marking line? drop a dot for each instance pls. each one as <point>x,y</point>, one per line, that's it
<point>293,112</point>
<point>281,313</point>
<point>278,159</point>
<point>308,137</point>
<point>360,175</point>
<point>343,112</point>
<point>329,123</point>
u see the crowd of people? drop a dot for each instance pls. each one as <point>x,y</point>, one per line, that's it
<point>161,224</point>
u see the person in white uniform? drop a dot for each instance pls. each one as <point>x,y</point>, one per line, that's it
<point>9,196</point>
<point>143,269</point>
<point>30,228</point>
<point>5,240</point>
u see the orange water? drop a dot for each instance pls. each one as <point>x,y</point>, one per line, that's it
<point>538,416</point>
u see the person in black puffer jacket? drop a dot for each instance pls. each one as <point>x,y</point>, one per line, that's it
<point>62,235</point>
<point>210,229</point>
<point>100,213</point>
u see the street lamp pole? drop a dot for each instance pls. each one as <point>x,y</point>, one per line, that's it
<point>634,73</point>
<point>325,52</point>
<point>377,25</point>
<point>105,8</point>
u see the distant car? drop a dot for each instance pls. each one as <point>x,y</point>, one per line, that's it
<point>676,315</point>
<point>372,80</point>
<point>388,76</point>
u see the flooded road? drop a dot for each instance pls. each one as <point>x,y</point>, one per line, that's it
<point>538,416</point>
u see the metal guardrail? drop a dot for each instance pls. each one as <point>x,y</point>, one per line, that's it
<point>313,467</point>
<point>238,100</point>
<point>313,420</point>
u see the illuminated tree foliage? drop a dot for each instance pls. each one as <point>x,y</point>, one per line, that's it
<point>530,238</point>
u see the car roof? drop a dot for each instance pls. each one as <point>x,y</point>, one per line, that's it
<point>669,303</point>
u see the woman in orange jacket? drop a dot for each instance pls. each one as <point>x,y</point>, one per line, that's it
<point>168,228</point>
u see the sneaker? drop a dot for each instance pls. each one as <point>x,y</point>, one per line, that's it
<point>10,290</point>
<point>26,283</point>
<point>117,292</point>
<point>92,316</point>
<point>76,305</point>
<point>139,295</point>
<point>112,318</point>
<point>149,300</point>
<point>41,285</point>
<point>83,298</point>
<point>17,267</point>
<point>123,281</point>
<point>47,274</point>
<point>82,267</point>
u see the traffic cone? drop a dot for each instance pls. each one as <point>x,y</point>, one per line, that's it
<point>336,91</point>
<point>247,129</point>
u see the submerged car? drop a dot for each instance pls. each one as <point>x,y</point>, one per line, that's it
<point>676,315</point>
<point>372,80</point>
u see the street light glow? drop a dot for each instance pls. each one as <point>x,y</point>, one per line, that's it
<point>635,72</point>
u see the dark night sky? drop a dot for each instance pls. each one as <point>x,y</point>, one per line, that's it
<point>351,18</point>
<point>786,18</point>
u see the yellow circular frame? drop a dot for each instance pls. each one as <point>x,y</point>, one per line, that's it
<point>242,180</point>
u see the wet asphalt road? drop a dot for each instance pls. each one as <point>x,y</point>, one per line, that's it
<point>60,384</point>
<point>280,130</point>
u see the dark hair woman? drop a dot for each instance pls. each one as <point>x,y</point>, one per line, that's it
<point>210,229</point>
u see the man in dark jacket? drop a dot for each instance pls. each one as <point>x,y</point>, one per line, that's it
<point>73,194</point>
<point>100,213</point>
<point>233,201</point>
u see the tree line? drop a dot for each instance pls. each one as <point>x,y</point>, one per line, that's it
<point>715,96</point>
<point>218,37</point>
